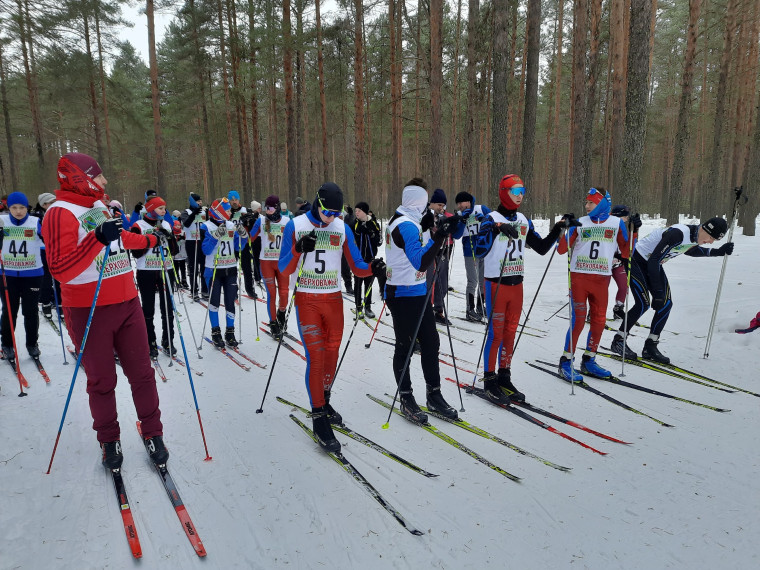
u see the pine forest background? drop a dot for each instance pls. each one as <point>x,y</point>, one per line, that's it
<point>656,100</point>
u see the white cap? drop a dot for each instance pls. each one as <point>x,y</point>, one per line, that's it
<point>283,206</point>
<point>255,206</point>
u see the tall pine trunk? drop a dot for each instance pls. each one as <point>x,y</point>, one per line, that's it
<point>618,33</point>
<point>533,31</point>
<point>436,85</point>
<point>158,139</point>
<point>395,153</point>
<point>360,161</point>
<point>201,81</point>
<point>7,122</point>
<point>91,88</point>
<point>290,120</point>
<point>31,84</point>
<point>591,84</point>
<point>468,159</point>
<point>103,97</point>
<point>578,103</point>
<point>322,99</point>
<point>500,102</point>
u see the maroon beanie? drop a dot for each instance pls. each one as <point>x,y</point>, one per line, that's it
<point>86,163</point>
<point>272,202</point>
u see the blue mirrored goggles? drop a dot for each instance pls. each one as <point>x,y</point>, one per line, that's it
<point>517,190</point>
<point>327,212</point>
<point>594,191</point>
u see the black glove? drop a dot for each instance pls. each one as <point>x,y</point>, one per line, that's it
<point>378,268</point>
<point>307,243</point>
<point>196,210</point>
<point>635,221</point>
<point>626,264</point>
<point>508,230</point>
<point>568,221</point>
<point>162,233</point>
<point>725,249</point>
<point>138,207</point>
<point>658,302</point>
<point>447,226</point>
<point>247,221</point>
<point>108,231</point>
<point>427,221</point>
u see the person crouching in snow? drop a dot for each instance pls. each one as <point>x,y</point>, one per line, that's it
<point>220,240</point>
<point>322,239</point>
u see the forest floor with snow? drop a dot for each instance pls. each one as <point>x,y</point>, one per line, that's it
<point>677,497</point>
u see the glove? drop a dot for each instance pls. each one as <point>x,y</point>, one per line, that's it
<point>427,221</point>
<point>658,302</point>
<point>108,231</point>
<point>508,230</point>
<point>220,232</point>
<point>378,268</point>
<point>307,243</point>
<point>162,233</point>
<point>138,207</point>
<point>626,264</point>
<point>567,221</point>
<point>725,249</point>
<point>635,221</point>
<point>241,231</point>
<point>247,221</point>
<point>447,226</point>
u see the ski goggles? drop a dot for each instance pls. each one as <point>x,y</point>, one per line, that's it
<point>326,212</point>
<point>517,190</point>
<point>271,209</point>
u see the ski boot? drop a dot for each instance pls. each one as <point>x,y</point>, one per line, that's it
<point>472,314</point>
<point>112,456</point>
<point>436,403</point>
<point>34,351</point>
<point>507,388</point>
<point>651,352</point>
<point>168,347</point>
<point>334,417</point>
<point>480,310</point>
<point>157,450</point>
<point>8,353</point>
<point>205,296</point>
<point>274,328</point>
<point>441,318</point>
<point>368,312</point>
<point>153,349</point>
<point>410,409</point>
<point>47,310</point>
<point>618,311</point>
<point>618,346</point>
<point>229,337</point>
<point>216,337</point>
<point>323,430</point>
<point>493,390</point>
<point>591,368</point>
<point>359,314</point>
<point>567,371</point>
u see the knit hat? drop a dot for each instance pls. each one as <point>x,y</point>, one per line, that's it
<point>505,190</point>
<point>151,205</point>
<point>283,206</point>
<point>272,201</point>
<point>255,205</point>
<point>220,210</point>
<point>601,198</point>
<point>300,201</point>
<point>150,194</point>
<point>464,197</point>
<point>17,198</point>
<point>116,204</point>
<point>233,195</point>
<point>329,197</point>
<point>85,163</point>
<point>193,200</point>
<point>45,198</point>
<point>438,197</point>
<point>363,206</point>
<point>621,211</point>
<point>177,228</point>
<point>715,227</point>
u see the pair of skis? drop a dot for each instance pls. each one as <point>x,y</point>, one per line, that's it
<point>24,381</point>
<point>179,507</point>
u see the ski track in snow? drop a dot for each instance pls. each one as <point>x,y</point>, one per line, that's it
<point>682,497</point>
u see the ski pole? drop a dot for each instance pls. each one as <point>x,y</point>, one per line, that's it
<point>530,309</point>
<point>182,300</point>
<point>210,292</point>
<point>557,312</point>
<point>571,319</point>
<point>60,326</point>
<point>13,332</point>
<point>628,288</point>
<point>377,324</point>
<point>345,348</point>
<point>255,307</point>
<point>184,350</point>
<point>451,344</point>
<point>490,317</point>
<point>738,191</point>
<point>163,296</point>
<point>282,333</point>
<point>425,306</point>
<point>107,251</point>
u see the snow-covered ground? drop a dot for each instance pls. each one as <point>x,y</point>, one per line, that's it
<point>680,497</point>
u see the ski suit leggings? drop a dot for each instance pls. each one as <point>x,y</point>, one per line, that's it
<point>363,298</point>
<point>640,288</point>
<point>224,280</point>
<point>119,329</point>
<point>474,269</point>
<point>594,290</point>
<point>320,324</point>
<point>24,291</point>
<point>621,280</point>
<point>149,282</point>
<point>196,262</point>
<point>441,282</point>
<point>405,312</point>
<point>180,268</point>
<point>246,266</point>
<point>500,339</point>
<point>276,283</point>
